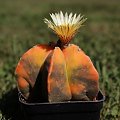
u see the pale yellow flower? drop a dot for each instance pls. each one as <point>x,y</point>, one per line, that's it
<point>65,25</point>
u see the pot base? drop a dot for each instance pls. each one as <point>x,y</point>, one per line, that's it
<point>82,110</point>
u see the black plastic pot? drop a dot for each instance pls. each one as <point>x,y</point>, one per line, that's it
<point>73,110</point>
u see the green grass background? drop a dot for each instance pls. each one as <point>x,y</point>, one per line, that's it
<point>22,26</point>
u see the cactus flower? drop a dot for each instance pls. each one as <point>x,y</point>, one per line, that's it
<point>65,26</point>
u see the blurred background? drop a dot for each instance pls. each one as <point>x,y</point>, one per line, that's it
<point>22,26</point>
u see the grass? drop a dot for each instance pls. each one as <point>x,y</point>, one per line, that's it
<point>22,26</point>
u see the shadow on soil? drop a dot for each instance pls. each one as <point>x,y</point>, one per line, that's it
<point>10,107</point>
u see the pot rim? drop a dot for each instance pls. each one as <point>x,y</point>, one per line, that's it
<point>99,100</point>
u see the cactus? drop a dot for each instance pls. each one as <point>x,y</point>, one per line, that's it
<point>60,71</point>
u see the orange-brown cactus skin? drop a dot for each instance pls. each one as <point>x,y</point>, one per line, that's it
<point>29,66</point>
<point>52,83</point>
<point>58,85</point>
<point>82,75</point>
<point>53,74</point>
<point>42,76</point>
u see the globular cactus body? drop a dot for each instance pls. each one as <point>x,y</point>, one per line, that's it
<point>61,72</point>
<point>67,74</point>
